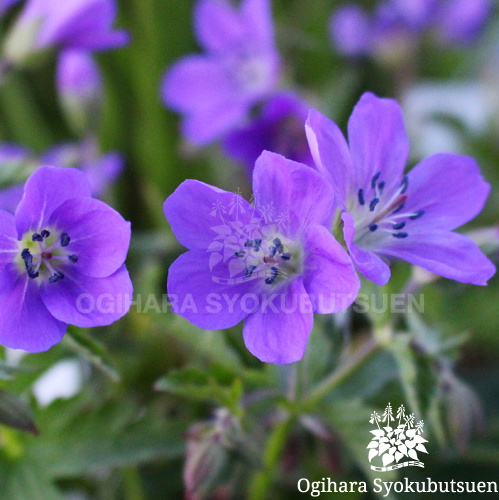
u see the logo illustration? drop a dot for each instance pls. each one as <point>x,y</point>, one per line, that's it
<point>391,444</point>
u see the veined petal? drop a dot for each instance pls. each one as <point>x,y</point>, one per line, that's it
<point>368,263</point>
<point>279,334</point>
<point>378,141</point>
<point>445,253</point>
<point>45,190</point>
<point>9,246</point>
<point>85,301</point>
<point>211,213</point>
<point>25,322</point>
<point>100,237</point>
<point>328,275</point>
<point>330,152</point>
<point>294,191</point>
<point>204,298</point>
<point>449,188</point>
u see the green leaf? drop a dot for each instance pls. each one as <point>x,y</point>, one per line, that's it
<point>15,413</point>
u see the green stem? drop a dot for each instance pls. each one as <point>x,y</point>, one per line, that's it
<point>359,358</point>
<point>132,484</point>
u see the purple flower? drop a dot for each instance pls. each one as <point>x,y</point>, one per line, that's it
<point>240,66</point>
<point>387,214</point>
<point>102,171</point>
<point>350,29</point>
<point>62,261</point>
<point>10,197</point>
<point>273,263</point>
<point>78,24</point>
<point>279,128</point>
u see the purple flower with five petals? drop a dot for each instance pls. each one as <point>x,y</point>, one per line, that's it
<point>387,214</point>
<point>279,128</point>
<point>61,261</point>
<point>215,91</point>
<point>273,264</point>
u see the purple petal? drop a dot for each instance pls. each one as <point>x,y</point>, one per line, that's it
<point>350,29</point>
<point>9,244</point>
<point>85,301</point>
<point>258,17</point>
<point>324,259</point>
<point>78,76</point>
<point>278,333</point>
<point>415,14</point>
<point>378,141</point>
<point>25,322</point>
<point>45,190</point>
<point>13,153</point>
<point>331,154</point>
<point>294,190</point>
<point>445,253</point>
<point>11,197</point>
<point>197,84</point>
<point>449,188</point>
<point>205,300</point>
<point>219,27</point>
<point>368,263</point>
<point>100,237</point>
<point>197,212</point>
<point>103,172</point>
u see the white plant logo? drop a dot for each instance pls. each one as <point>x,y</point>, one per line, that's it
<point>393,444</point>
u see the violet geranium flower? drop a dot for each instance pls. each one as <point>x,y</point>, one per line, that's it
<point>279,128</point>
<point>273,264</point>
<point>61,261</point>
<point>387,214</point>
<point>215,91</point>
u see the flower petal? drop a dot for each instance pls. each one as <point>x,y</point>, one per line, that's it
<point>100,237</point>
<point>368,263</point>
<point>293,190</point>
<point>329,275</point>
<point>449,188</point>
<point>445,253</point>
<point>85,301</point>
<point>278,332</point>
<point>25,322</point>
<point>45,190</point>
<point>258,17</point>
<point>205,300</point>
<point>198,212</point>
<point>331,154</point>
<point>378,141</point>
<point>9,245</point>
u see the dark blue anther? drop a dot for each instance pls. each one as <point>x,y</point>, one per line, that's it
<point>65,239</point>
<point>249,243</point>
<point>399,208</point>
<point>404,185</point>
<point>417,215</point>
<point>374,180</point>
<point>240,253</point>
<point>399,225</point>
<point>37,237</point>
<point>381,186</point>
<point>56,277</point>
<point>249,271</point>
<point>45,233</point>
<point>373,204</point>
<point>373,227</point>
<point>28,262</point>
<point>400,235</point>
<point>362,201</point>
<point>286,256</point>
<point>272,250</point>
<point>73,258</point>
<point>274,272</point>
<point>258,243</point>
<point>278,245</point>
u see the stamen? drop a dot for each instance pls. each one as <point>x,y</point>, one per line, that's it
<point>45,233</point>
<point>258,243</point>
<point>374,180</point>
<point>400,225</point>
<point>278,244</point>
<point>273,250</point>
<point>286,256</point>
<point>373,227</point>
<point>274,272</point>
<point>400,235</point>
<point>249,271</point>
<point>404,185</point>
<point>381,186</point>
<point>37,237</point>
<point>56,277</point>
<point>400,207</point>
<point>362,201</point>
<point>373,204</point>
<point>73,258</point>
<point>239,253</point>
<point>65,239</point>
<point>417,215</point>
